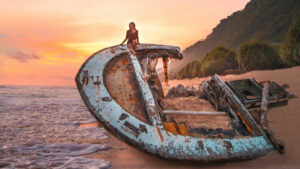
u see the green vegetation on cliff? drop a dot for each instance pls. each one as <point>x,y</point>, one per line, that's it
<point>265,20</point>
<point>253,55</point>
<point>266,34</point>
<point>262,20</point>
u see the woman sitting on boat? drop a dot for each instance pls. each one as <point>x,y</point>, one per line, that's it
<point>132,38</point>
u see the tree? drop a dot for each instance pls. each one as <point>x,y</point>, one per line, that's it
<point>218,60</point>
<point>255,55</point>
<point>191,70</point>
<point>290,48</point>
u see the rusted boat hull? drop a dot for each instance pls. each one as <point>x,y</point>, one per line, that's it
<point>150,135</point>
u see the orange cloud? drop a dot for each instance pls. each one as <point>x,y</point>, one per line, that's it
<point>22,56</point>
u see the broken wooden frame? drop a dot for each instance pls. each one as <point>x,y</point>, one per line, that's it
<point>249,91</point>
<point>223,98</point>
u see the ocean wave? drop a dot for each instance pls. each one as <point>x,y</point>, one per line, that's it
<point>38,92</point>
<point>61,155</point>
<point>48,119</point>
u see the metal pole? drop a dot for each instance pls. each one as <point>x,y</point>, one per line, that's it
<point>165,61</point>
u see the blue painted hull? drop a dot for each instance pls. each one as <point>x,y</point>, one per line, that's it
<point>153,138</point>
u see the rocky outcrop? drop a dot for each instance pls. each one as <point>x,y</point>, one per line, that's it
<point>181,91</point>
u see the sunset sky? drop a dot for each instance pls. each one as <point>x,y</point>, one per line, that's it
<point>44,42</point>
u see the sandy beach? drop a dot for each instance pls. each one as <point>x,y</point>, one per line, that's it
<point>284,122</point>
<point>50,127</point>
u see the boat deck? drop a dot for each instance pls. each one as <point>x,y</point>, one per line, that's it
<point>121,84</point>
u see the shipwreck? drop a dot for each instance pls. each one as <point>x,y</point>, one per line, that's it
<point>124,93</point>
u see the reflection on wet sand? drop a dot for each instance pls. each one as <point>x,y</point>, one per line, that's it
<point>94,124</point>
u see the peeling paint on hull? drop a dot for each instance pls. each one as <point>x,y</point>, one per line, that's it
<point>153,138</point>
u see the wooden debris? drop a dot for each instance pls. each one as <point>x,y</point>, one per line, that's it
<point>278,144</point>
<point>264,106</point>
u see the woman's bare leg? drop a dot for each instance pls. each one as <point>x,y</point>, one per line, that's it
<point>134,43</point>
<point>131,48</point>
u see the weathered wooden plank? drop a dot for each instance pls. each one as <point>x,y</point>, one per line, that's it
<point>264,106</point>
<point>278,144</point>
<point>148,98</point>
<point>197,113</point>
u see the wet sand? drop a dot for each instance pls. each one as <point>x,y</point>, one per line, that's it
<point>284,121</point>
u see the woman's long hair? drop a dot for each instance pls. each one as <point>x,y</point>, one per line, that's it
<point>132,23</point>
